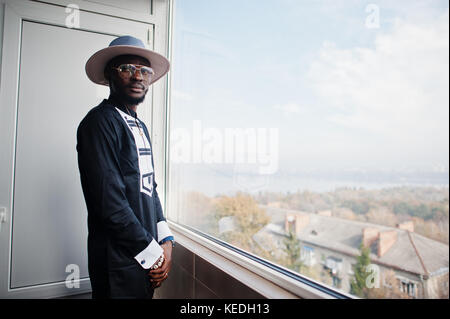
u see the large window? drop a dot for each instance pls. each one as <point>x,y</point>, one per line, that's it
<point>314,134</point>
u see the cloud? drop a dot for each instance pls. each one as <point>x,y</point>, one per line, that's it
<point>398,89</point>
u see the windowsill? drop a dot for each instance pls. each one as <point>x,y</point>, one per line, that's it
<point>264,280</point>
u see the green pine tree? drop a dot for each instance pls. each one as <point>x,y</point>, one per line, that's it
<point>358,284</point>
<point>293,249</point>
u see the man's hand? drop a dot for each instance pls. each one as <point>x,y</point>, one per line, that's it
<point>157,276</point>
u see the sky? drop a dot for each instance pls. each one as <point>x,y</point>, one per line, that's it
<point>348,84</point>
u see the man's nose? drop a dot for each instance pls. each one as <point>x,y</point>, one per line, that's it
<point>136,76</point>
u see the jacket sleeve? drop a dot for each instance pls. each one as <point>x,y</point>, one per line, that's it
<point>98,156</point>
<point>164,232</point>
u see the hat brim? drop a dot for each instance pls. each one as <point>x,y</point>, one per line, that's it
<point>95,66</point>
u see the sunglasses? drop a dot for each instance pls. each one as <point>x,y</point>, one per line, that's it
<point>127,71</point>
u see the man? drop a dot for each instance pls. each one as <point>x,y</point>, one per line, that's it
<point>129,241</point>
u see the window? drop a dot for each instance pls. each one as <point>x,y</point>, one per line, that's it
<point>315,127</point>
<point>408,287</point>
<point>307,256</point>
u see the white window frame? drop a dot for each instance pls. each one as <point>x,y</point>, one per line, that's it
<point>263,276</point>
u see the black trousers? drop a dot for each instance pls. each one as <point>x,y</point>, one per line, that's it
<point>131,282</point>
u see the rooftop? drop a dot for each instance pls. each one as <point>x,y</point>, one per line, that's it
<point>411,252</point>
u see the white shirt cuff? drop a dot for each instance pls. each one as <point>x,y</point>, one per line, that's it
<point>149,255</point>
<point>163,230</point>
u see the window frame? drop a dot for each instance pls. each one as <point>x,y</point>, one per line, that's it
<point>267,278</point>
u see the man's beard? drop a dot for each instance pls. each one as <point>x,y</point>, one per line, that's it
<point>131,100</point>
<point>122,96</point>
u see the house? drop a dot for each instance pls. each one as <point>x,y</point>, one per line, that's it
<point>421,265</point>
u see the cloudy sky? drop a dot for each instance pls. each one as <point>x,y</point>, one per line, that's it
<point>349,85</point>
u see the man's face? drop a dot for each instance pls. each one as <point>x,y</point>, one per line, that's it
<point>131,90</point>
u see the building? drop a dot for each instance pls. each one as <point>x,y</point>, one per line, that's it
<point>421,265</point>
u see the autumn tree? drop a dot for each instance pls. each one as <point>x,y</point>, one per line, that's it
<point>248,219</point>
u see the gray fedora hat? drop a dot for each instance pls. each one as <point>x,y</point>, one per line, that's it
<point>125,45</point>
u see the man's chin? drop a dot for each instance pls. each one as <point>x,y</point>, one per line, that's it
<point>132,99</point>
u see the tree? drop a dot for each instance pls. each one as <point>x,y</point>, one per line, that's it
<point>358,284</point>
<point>247,215</point>
<point>293,250</point>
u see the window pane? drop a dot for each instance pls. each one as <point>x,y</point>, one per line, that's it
<point>314,134</point>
